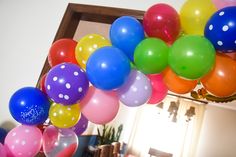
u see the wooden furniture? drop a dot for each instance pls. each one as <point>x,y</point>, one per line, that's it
<point>116,150</point>
<point>106,150</point>
<point>158,153</point>
<point>91,152</point>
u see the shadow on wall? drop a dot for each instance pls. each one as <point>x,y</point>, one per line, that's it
<point>7,125</point>
<point>4,128</point>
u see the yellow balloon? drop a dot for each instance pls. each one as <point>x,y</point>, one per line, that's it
<point>87,45</point>
<point>194,15</point>
<point>64,116</point>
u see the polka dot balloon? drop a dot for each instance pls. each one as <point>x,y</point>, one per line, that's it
<point>66,83</point>
<point>23,141</point>
<point>81,126</point>
<point>221,29</point>
<point>136,91</point>
<point>2,151</point>
<point>64,116</point>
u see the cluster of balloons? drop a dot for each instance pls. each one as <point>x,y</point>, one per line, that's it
<point>88,79</point>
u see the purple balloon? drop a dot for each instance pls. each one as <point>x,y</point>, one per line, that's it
<point>136,91</point>
<point>81,126</point>
<point>66,83</point>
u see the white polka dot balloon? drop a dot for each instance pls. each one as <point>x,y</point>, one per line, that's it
<point>66,83</point>
<point>221,29</point>
<point>136,91</point>
<point>23,141</point>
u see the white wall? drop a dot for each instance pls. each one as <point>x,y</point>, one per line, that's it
<point>217,138</point>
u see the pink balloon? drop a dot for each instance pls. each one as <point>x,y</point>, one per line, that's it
<point>100,106</point>
<point>159,89</point>
<point>2,151</point>
<point>23,141</point>
<point>224,3</point>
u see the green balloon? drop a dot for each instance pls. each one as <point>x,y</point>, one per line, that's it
<point>191,56</point>
<point>132,65</point>
<point>151,56</point>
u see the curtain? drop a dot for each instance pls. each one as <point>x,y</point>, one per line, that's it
<point>167,131</point>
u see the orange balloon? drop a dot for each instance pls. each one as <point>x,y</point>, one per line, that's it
<point>221,81</point>
<point>232,55</point>
<point>176,84</point>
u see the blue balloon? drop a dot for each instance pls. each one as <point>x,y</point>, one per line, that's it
<point>29,106</point>
<point>126,33</point>
<point>108,68</point>
<point>221,29</point>
<point>3,134</point>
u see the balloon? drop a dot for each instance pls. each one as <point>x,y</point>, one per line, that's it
<point>62,50</point>
<point>3,134</point>
<point>23,141</point>
<point>64,116</point>
<point>81,126</point>
<point>2,151</point>
<point>224,3</point>
<point>136,91</point>
<point>42,127</point>
<point>59,142</point>
<point>159,89</point>
<point>195,14</point>
<point>132,65</point>
<point>191,57</point>
<point>100,107</point>
<point>42,83</point>
<point>108,68</point>
<point>232,55</point>
<point>87,45</point>
<point>29,106</point>
<point>125,33</point>
<point>221,80</point>
<point>151,56</point>
<point>162,21</point>
<point>177,84</point>
<point>220,29</point>
<point>66,83</point>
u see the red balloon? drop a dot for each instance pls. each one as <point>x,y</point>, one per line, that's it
<point>159,89</point>
<point>62,50</point>
<point>68,151</point>
<point>162,21</point>
<point>42,127</point>
<point>42,83</point>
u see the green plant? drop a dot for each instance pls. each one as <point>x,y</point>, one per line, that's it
<point>109,134</point>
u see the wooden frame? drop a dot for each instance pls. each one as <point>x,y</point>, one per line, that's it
<point>77,12</point>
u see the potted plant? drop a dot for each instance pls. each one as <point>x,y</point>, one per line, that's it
<point>109,134</point>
